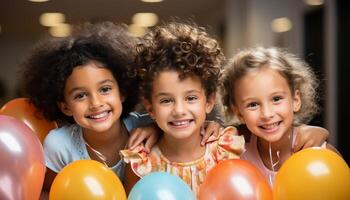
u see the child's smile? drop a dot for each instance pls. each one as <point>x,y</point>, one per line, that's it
<point>92,97</point>
<point>265,103</point>
<point>178,106</point>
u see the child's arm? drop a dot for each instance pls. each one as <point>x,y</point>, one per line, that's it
<point>130,179</point>
<point>310,136</point>
<point>49,177</point>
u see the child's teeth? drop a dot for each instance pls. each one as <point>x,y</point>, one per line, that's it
<point>99,115</point>
<point>270,126</point>
<point>180,123</point>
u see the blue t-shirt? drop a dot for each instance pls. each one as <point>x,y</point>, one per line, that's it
<point>66,144</point>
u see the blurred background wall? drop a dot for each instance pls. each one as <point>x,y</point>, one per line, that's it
<point>316,30</point>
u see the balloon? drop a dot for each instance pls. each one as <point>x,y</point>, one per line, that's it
<point>22,168</point>
<point>313,173</point>
<point>21,109</point>
<point>159,186</point>
<point>88,180</point>
<point>235,179</point>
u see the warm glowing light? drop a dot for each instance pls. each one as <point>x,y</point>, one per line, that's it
<point>51,19</point>
<point>151,1</point>
<point>38,1</point>
<point>145,19</point>
<point>281,25</point>
<point>61,30</point>
<point>137,30</point>
<point>314,2</point>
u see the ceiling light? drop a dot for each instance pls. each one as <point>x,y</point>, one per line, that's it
<point>145,19</point>
<point>151,1</point>
<point>61,30</point>
<point>51,19</point>
<point>38,0</point>
<point>281,25</point>
<point>137,30</point>
<point>314,2</point>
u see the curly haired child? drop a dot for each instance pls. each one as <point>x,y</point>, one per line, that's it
<point>87,83</point>
<point>180,65</point>
<point>272,92</point>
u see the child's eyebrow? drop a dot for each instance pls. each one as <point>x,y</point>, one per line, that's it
<point>82,88</point>
<point>168,94</point>
<point>106,81</point>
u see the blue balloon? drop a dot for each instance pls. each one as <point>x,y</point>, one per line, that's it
<point>160,186</point>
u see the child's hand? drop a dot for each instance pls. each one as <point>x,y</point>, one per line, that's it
<point>210,128</point>
<point>148,134</point>
<point>310,136</point>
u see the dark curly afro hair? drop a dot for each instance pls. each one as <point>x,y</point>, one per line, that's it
<point>53,60</point>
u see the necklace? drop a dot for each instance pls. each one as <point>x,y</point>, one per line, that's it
<point>102,157</point>
<point>274,164</point>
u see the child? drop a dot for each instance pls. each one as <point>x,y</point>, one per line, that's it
<point>87,83</point>
<point>271,92</point>
<point>181,67</point>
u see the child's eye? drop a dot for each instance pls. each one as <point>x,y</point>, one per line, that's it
<point>80,96</point>
<point>191,98</point>
<point>165,101</point>
<point>277,98</point>
<point>252,105</point>
<point>105,89</point>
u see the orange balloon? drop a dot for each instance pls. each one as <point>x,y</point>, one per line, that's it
<point>235,179</point>
<point>313,173</point>
<point>88,180</point>
<point>21,109</point>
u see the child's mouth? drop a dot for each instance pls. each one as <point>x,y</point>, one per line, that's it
<point>271,127</point>
<point>180,123</point>
<point>99,115</point>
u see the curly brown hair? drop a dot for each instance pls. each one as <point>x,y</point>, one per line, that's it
<point>52,61</point>
<point>297,73</point>
<point>183,47</point>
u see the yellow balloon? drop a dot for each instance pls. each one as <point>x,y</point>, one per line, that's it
<point>88,180</point>
<point>313,173</point>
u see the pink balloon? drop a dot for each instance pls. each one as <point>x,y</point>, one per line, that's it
<point>22,167</point>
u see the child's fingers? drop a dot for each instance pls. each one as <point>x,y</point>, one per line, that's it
<point>212,128</point>
<point>150,142</point>
<point>136,138</point>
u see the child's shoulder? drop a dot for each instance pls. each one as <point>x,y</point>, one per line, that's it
<point>62,135</point>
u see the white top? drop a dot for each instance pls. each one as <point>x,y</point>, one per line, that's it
<point>252,154</point>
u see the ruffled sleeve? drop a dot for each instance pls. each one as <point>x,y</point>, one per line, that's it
<point>227,145</point>
<point>138,159</point>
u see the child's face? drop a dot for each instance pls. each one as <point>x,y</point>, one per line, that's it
<point>92,97</point>
<point>265,103</point>
<point>179,106</point>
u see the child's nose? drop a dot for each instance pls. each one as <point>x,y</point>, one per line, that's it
<point>95,101</point>
<point>179,109</point>
<point>267,112</point>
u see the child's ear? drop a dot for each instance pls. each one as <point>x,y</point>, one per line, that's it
<point>64,108</point>
<point>210,103</point>
<point>296,101</point>
<point>237,113</point>
<point>148,106</point>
